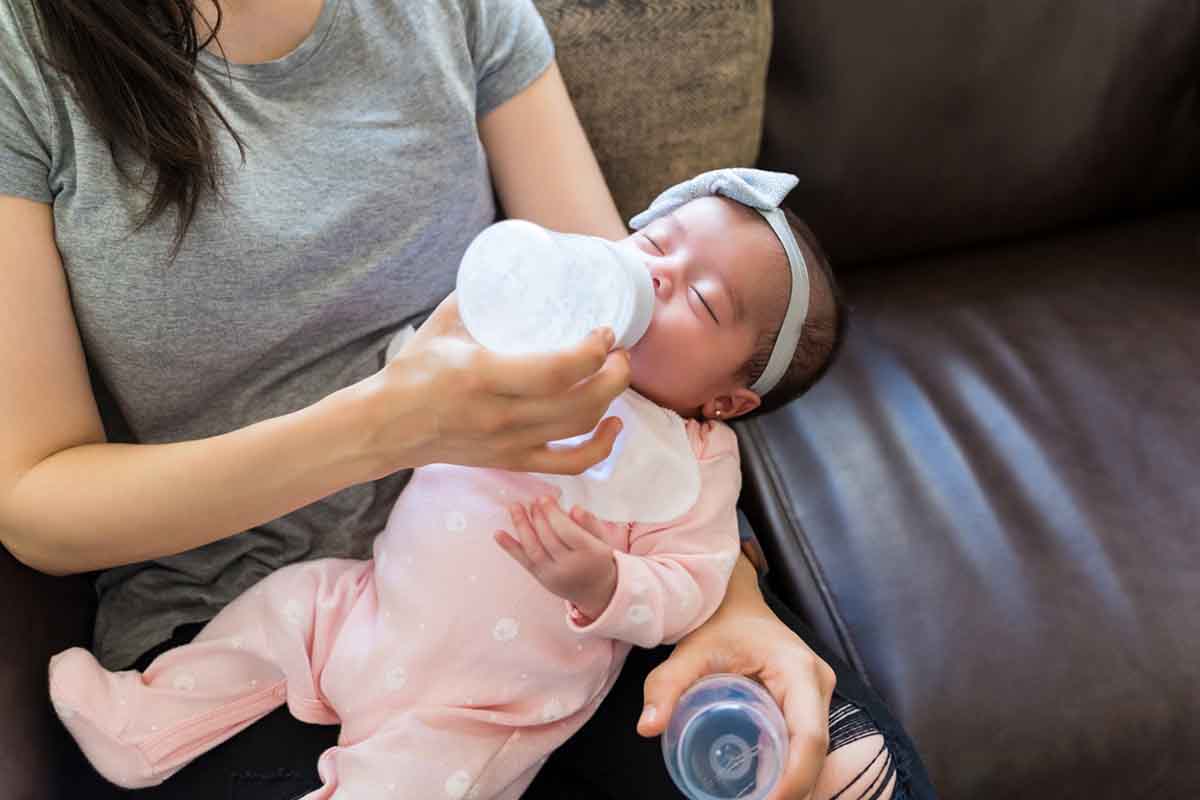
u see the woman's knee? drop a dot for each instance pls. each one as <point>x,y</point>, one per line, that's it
<point>860,770</point>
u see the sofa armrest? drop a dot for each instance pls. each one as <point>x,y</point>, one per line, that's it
<point>40,616</point>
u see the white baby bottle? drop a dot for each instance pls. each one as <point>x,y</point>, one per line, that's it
<point>525,289</point>
<point>726,739</point>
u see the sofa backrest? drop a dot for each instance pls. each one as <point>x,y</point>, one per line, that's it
<point>921,124</point>
<point>665,88</point>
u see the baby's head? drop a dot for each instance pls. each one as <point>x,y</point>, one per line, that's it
<point>723,281</point>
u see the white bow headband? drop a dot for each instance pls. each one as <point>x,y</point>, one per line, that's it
<point>763,191</point>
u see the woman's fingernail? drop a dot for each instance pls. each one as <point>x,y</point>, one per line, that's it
<point>609,338</point>
<point>649,714</point>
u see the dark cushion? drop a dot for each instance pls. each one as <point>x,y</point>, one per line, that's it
<point>991,506</point>
<point>927,123</point>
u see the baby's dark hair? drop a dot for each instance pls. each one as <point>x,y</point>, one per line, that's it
<point>820,338</point>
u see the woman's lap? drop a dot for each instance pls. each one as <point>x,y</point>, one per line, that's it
<point>607,760</point>
<point>276,758</point>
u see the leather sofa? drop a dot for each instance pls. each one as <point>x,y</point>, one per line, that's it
<point>991,505</point>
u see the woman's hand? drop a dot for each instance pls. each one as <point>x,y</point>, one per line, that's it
<point>746,638</point>
<point>446,399</point>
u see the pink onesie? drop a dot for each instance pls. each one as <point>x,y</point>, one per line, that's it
<point>451,670</point>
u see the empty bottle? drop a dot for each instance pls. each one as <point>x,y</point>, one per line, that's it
<point>726,739</point>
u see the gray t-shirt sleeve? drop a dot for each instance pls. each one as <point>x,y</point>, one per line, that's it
<point>510,47</point>
<point>25,118</point>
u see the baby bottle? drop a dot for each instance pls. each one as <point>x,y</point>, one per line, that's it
<point>525,289</point>
<point>727,738</point>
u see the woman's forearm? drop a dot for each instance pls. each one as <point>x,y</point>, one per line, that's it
<point>743,595</point>
<point>100,505</point>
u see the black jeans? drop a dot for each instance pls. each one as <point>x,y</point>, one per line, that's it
<point>276,758</point>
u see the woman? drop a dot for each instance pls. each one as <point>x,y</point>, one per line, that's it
<point>231,229</point>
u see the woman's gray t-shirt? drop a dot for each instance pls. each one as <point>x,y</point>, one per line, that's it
<point>363,182</point>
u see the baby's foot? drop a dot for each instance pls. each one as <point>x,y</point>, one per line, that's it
<point>93,704</point>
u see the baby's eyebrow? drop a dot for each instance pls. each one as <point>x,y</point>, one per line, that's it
<point>739,310</point>
<point>680,229</point>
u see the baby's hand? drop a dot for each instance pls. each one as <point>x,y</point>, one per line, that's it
<point>567,554</point>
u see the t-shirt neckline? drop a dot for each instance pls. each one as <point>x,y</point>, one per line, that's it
<point>277,68</point>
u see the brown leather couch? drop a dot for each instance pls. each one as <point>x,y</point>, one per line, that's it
<point>991,506</point>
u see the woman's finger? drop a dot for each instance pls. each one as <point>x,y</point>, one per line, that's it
<point>444,320</point>
<point>572,459</point>
<point>548,374</point>
<point>803,689</point>
<point>534,421</point>
<point>805,756</point>
<point>666,683</point>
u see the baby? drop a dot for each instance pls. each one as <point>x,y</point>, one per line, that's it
<point>461,655</point>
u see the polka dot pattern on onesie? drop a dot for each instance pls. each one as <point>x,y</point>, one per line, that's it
<point>506,629</point>
<point>553,710</point>
<point>395,679</point>
<point>293,612</point>
<point>639,615</point>
<point>458,784</point>
<point>184,682</point>
<point>456,521</point>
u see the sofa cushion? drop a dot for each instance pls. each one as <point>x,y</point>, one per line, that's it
<point>920,124</point>
<point>991,506</point>
<point>665,89</point>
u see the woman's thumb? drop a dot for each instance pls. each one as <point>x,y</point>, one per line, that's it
<point>445,318</point>
<point>665,684</point>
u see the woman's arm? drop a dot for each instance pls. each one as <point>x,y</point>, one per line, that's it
<point>72,502</point>
<point>542,165</point>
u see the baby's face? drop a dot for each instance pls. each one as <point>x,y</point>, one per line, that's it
<point>720,279</point>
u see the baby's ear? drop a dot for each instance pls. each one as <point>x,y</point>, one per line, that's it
<point>731,406</point>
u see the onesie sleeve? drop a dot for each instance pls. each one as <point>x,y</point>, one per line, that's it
<point>675,574</point>
<point>25,118</point>
<point>510,47</point>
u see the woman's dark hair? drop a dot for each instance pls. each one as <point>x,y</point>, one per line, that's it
<point>132,66</point>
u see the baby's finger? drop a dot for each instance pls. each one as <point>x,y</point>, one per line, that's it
<point>589,522</point>
<point>529,540</point>
<point>573,535</point>
<point>548,529</point>
<point>511,546</point>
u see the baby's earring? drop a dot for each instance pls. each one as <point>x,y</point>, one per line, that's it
<point>717,413</point>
